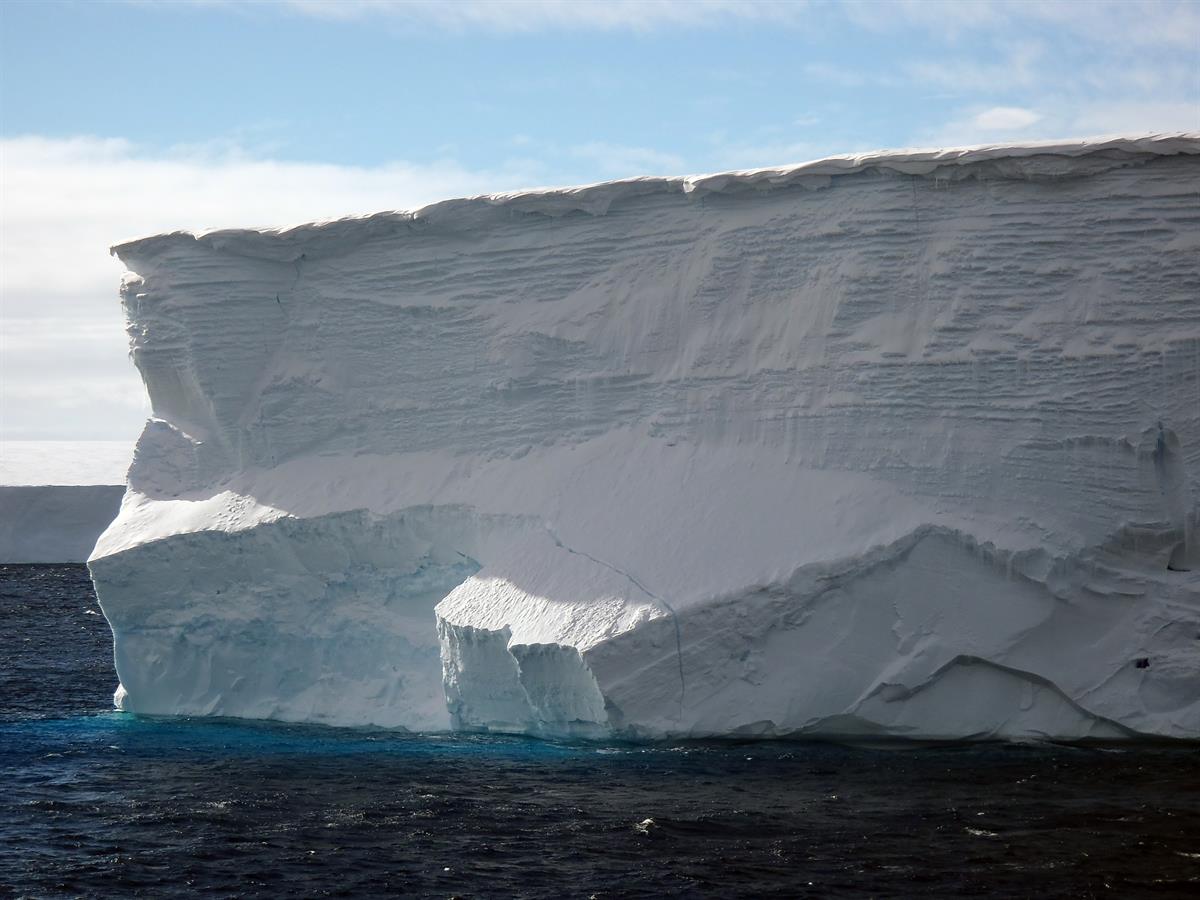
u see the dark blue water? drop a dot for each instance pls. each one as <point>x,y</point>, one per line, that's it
<point>96,803</point>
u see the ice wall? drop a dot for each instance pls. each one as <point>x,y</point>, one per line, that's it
<point>898,444</point>
<point>56,497</point>
<point>54,523</point>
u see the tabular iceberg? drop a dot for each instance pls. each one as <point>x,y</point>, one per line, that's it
<point>903,444</point>
<point>57,497</point>
<point>54,523</point>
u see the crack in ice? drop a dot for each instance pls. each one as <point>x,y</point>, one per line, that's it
<point>649,593</point>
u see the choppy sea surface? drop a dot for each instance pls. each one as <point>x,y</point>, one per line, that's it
<point>99,803</point>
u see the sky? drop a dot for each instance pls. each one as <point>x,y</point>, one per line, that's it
<point>122,119</point>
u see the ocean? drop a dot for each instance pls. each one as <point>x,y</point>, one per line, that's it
<point>95,803</point>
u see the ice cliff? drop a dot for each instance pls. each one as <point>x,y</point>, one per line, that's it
<point>54,523</point>
<point>897,444</point>
<point>56,497</point>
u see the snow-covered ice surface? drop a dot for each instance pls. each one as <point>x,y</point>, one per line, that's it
<point>898,444</point>
<point>56,497</point>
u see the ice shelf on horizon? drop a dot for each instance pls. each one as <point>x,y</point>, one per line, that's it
<point>56,497</point>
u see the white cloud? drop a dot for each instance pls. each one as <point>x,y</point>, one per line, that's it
<point>947,17</point>
<point>1119,22</point>
<point>534,15</point>
<point>1138,23</point>
<point>1017,69</point>
<point>1005,118</point>
<point>69,376</point>
<point>1124,22</point>
<point>1062,118</point>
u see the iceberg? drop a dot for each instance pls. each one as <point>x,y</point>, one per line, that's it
<point>56,497</point>
<point>54,523</point>
<point>895,445</point>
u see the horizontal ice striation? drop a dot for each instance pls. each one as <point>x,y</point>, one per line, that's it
<point>903,444</point>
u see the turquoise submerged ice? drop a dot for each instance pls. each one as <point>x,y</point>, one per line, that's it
<point>905,444</point>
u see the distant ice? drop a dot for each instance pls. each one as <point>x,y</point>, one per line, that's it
<point>64,462</point>
<point>56,497</point>
<point>56,523</point>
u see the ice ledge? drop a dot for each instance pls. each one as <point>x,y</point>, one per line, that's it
<point>1024,160</point>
